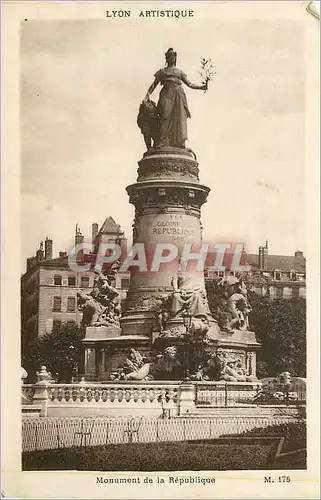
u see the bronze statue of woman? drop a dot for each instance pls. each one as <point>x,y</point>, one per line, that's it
<point>172,108</point>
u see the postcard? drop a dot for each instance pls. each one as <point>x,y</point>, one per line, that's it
<point>160,246</point>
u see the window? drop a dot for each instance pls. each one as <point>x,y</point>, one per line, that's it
<point>71,304</point>
<point>56,324</point>
<point>279,292</point>
<point>84,281</point>
<point>57,279</point>
<point>71,280</point>
<point>57,304</point>
<point>293,276</point>
<point>295,291</point>
<point>277,275</point>
<point>124,283</point>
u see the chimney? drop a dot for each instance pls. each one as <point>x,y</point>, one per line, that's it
<point>40,252</point>
<point>94,231</point>
<point>31,261</point>
<point>79,238</point>
<point>263,255</point>
<point>299,260</point>
<point>48,249</point>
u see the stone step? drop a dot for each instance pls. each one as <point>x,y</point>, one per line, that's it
<point>244,411</point>
<point>31,410</point>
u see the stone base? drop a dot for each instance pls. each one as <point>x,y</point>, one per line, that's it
<point>138,323</point>
<point>99,333</point>
<point>239,338</point>
<point>168,162</point>
<point>240,345</point>
<point>106,349</point>
<point>175,330</point>
<point>105,352</point>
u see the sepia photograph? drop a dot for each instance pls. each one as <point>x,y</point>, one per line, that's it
<point>163,256</point>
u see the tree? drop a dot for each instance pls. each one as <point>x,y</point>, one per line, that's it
<point>61,351</point>
<point>280,327</point>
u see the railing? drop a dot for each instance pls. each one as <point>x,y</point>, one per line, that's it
<point>113,393</point>
<point>220,394</point>
<point>62,432</point>
<point>141,398</point>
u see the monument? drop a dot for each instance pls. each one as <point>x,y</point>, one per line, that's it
<point>167,325</point>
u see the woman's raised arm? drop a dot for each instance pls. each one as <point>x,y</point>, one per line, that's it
<point>192,85</point>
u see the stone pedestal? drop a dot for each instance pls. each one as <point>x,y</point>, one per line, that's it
<point>167,198</point>
<point>241,344</point>
<point>106,350</point>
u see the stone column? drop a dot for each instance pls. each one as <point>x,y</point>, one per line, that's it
<point>98,359</point>
<point>90,360</point>
<point>102,363</point>
<point>167,198</point>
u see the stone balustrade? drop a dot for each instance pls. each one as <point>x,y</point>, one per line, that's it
<point>132,398</point>
<point>119,393</point>
<point>112,399</point>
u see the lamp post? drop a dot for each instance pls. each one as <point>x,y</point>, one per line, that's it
<point>187,322</point>
<point>74,362</point>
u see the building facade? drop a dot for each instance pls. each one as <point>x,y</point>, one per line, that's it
<point>49,287</point>
<point>278,276</point>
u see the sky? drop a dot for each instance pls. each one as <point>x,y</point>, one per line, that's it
<point>81,86</point>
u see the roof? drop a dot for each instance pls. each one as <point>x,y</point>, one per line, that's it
<point>279,262</point>
<point>56,262</point>
<point>274,262</point>
<point>110,227</point>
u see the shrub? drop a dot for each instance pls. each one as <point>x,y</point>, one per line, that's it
<point>293,432</point>
<point>211,455</point>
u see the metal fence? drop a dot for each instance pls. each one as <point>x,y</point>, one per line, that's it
<point>66,432</point>
<point>222,395</point>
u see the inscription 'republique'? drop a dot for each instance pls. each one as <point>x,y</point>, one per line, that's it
<point>149,13</point>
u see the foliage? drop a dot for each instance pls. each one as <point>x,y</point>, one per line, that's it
<point>60,351</point>
<point>207,70</point>
<point>280,327</point>
<point>295,434</point>
<point>211,455</point>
